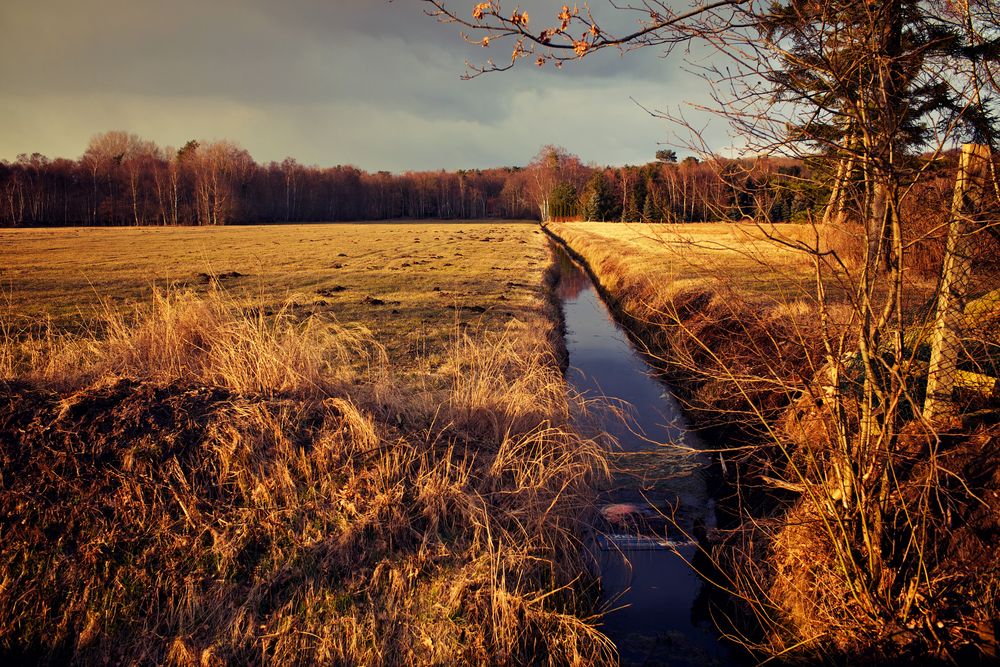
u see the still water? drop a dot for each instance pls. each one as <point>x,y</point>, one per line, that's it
<point>657,501</point>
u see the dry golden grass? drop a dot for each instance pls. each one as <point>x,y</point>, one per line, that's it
<point>763,266</point>
<point>432,277</point>
<point>202,338</point>
<point>730,314</point>
<point>205,480</point>
<point>736,319</point>
<point>696,256</point>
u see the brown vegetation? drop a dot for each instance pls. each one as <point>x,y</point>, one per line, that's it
<point>732,322</point>
<point>198,482</point>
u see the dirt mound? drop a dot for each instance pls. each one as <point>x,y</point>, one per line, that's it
<point>212,278</point>
<point>180,523</point>
<point>135,512</point>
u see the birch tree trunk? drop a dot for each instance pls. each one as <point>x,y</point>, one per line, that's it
<point>970,185</point>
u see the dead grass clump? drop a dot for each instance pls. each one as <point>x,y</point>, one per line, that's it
<point>736,364</point>
<point>936,536</point>
<point>209,339</point>
<point>808,586</point>
<point>169,506</point>
<point>506,385</point>
<point>847,240</point>
<point>940,549</point>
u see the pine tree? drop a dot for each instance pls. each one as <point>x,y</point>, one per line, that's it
<point>630,213</point>
<point>649,212</point>
<point>598,205</point>
<point>563,201</point>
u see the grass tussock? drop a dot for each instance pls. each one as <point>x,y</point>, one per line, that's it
<point>182,336</point>
<point>200,485</point>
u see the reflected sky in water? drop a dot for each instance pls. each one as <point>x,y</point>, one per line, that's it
<point>663,617</point>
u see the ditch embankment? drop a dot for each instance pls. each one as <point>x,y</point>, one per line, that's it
<point>728,322</point>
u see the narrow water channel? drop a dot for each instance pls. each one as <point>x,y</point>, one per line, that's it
<point>659,611</point>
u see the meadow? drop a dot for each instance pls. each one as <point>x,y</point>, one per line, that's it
<point>344,444</point>
<point>412,284</point>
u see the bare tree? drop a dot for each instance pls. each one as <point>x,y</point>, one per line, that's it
<point>107,153</point>
<point>219,169</point>
<point>871,86</point>
<point>550,167</point>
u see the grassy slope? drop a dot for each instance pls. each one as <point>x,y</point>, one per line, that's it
<point>734,322</point>
<point>206,483</point>
<point>695,256</point>
<point>712,301</point>
<point>755,262</point>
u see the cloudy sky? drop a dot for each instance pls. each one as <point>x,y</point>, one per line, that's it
<point>366,82</point>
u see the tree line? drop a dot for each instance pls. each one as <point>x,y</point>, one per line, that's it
<point>772,190</point>
<point>122,179</point>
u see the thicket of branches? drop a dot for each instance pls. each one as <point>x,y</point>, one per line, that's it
<point>867,554</point>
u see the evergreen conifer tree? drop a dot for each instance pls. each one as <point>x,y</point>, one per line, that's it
<point>649,212</point>
<point>598,205</point>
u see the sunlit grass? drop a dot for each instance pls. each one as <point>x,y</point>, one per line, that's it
<point>216,473</point>
<point>430,277</point>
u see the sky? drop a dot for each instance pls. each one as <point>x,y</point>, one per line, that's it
<point>372,83</point>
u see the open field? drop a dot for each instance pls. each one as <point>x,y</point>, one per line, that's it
<point>353,444</point>
<point>245,475</point>
<point>410,283</point>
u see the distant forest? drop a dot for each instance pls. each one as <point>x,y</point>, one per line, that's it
<point>124,180</point>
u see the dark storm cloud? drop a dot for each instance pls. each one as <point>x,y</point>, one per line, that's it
<point>348,81</point>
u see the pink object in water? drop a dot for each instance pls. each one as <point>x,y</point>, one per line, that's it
<point>620,512</point>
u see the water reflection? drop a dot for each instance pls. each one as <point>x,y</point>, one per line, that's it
<point>572,280</point>
<point>657,500</point>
